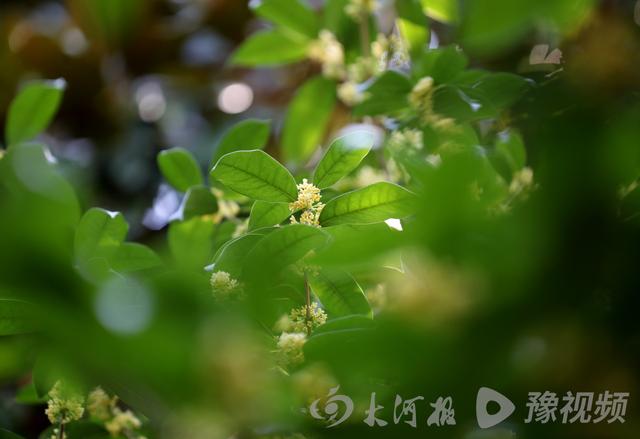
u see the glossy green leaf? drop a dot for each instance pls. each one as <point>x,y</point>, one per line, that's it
<point>387,95</point>
<point>99,234</point>
<point>231,257</point>
<point>285,246</point>
<point>270,48</point>
<point>257,175</point>
<point>501,89</point>
<point>372,204</point>
<point>180,168</point>
<point>343,156</point>
<point>33,109</point>
<point>15,317</point>
<point>307,118</point>
<point>265,214</point>
<point>191,242</point>
<point>248,134</point>
<point>293,15</point>
<point>339,293</point>
<point>198,201</point>
<point>463,104</point>
<point>132,256</point>
<point>443,64</point>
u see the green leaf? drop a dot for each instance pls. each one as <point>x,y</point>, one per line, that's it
<point>339,293</point>
<point>28,395</point>
<point>99,234</point>
<point>180,168</point>
<point>443,64</point>
<point>285,246</point>
<point>387,95</point>
<point>508,154</point>
<point>191,242</point>
<point>372,204</point>
<point>501,89</point>
<point>199,201</point>
<point>132,256</point>
<point>343,156</point>
<point>354,321</point>
<point>412,24</point>
<point>257,175</point>
<point>445,11</point>
<point>307,118</point>
<point>248,134</point>
<point>293,15</point>
<point>33,109</point>
<point>270,48</point>
<point>265,214</point>
<point>232,256</point>
<point>463,104</point>
<point>15,317</point>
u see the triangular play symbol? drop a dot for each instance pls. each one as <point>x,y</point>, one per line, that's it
<point>485,396</point>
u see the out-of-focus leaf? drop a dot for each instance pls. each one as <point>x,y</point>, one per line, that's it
<point>15,317</point>
<point>445,11</point>
<point>132,256</point>
<point>33,109</point>
<point>28,167</point>
<point>387,95</point>
<point>339,293</point>
<point>509,154</point>
<point>248,134</point>
<point>307,118</point>
<point>343,156</point>
<point>99,234</point>
<point>443,64</point>
<point>112,22</point>
<point>265,214</point>
<point>293,15</point>
<point>199,201</point>
<point>347,322</point>
<point>27,395</point>
<point>490,26</point>
<point>257,175</point>
<point>191,241</point>
<point>180,168</point>
<point>413,25</point>
<point>269,48</point>
<point>372,204</point>
<point>335,20</point>
<point>285,246</point>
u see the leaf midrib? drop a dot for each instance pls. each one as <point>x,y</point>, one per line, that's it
<point>289,197</point>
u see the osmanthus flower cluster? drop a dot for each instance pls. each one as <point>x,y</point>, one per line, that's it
<point>296,327</point>
<point>66,406</point>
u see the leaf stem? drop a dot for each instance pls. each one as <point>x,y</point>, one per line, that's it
<point>307,317</point>
<point>365,36</point>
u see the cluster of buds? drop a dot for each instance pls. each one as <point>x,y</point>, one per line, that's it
<point>306,318</point>
<point>104,408</point>
<point>329,53</point>
<point>421,100</point>
<point>406,139</point>
<point>391,51</point>
<point>295,328</point>
<point>360,9</point>
<point>63,406</point>
<point>290,348</point>
<point>223,285</point>
<point>308,201</point>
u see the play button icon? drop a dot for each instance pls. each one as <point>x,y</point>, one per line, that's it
<point>486,396</point>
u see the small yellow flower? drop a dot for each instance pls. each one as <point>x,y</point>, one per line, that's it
<point>406,139</point>
<point>123,421</point>
<point>308,194</point>
<point>360,9</point>
<point>223,285</point>
<point>63,407</point>
<point>420,97</point>
<point>350,94</point>
<point>290,345</point>
<point>100,405</point>
<point>300,322</point>
<point>329,53</point>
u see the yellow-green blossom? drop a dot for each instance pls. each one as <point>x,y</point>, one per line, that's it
<point>100,404</point>
<point>307,318</point>
<point>406,139</point>
<point>123,421</point>
<point>350,94</point>
<point>223,285</point>
<point>63,407</point>
<point>290,345</point>
<point>309,200</point>
<point>360,9</point>
<point>329,53</point>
